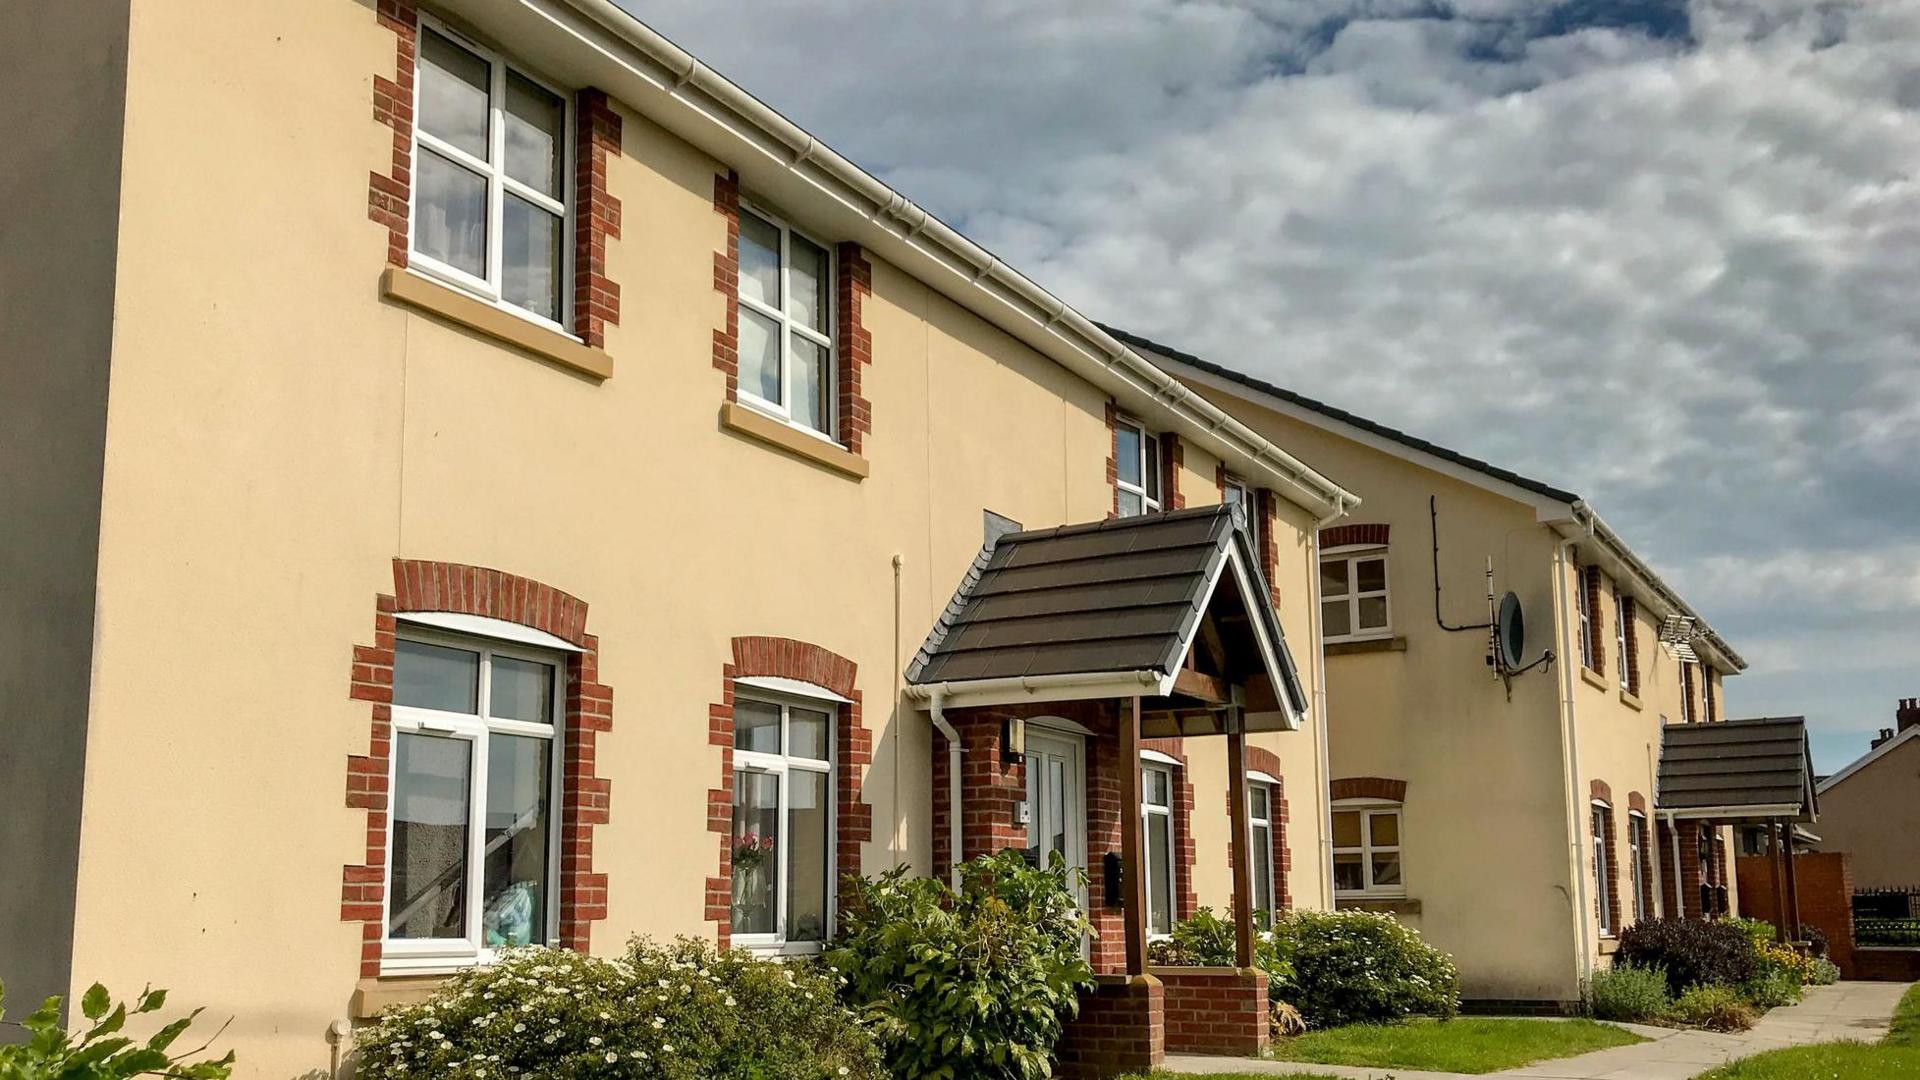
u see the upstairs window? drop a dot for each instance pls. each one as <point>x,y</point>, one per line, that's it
<point>1583,604</point>
<point>1353,595</point>
<point>1136,455</point>
<point>1237,493</point>
<point>490,192</point>
<point>786,322</point>
<point>1366,850</point>
<point>1686,692</point>
<point>782,822</point>
<point>1623,633</point>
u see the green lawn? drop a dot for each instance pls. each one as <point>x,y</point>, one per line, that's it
<point>1464,1045</point>
<point>1898,1055</point>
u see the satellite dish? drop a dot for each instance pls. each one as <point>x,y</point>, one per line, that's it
<point>1510,633</point>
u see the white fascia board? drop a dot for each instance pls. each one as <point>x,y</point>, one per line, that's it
<point>1725,813</point>
<point>973,693</point>
<point>1867,759</point>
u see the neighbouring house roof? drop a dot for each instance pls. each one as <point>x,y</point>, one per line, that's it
<point>1109,603</point>
<point>1564,504</point>
<point>1864,760</point>
<point>1737,769</point>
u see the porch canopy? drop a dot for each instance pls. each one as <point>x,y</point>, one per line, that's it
<point>1167,615</point>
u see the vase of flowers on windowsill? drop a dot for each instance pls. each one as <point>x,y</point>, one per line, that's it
<point>751,852</point>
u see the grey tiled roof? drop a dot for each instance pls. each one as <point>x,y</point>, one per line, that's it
<point>1739,763</point>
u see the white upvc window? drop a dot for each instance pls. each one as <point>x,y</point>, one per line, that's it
<point>492,176</point>
<point>786,322</point>
<point>1602,821</point>
<point>783,827</point>
<point>1136,468</point>
<point>1583,603</point>
<point>1686,692</point>
<point>1260,843</point>
<point>1353,595</point>
<point>1622,614</point>
<point>1156,810</point>
<point>1637,852</point>
<point>474,827</point>
<point>1366,850</point>
<point>1238,493</point>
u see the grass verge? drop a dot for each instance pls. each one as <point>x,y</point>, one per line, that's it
<point>1465,1045</point>
<point>1896,1056</point>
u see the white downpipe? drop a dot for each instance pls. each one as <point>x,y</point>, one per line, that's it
<point>1325,792</point>
<point>1570,761</point>
<point>938,711</point>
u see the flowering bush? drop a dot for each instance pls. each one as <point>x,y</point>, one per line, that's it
<point>676,1012</point>
<point>972,984</point>
<point>1349,967</point>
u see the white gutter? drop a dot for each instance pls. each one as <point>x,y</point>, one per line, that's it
<point>1570,762</point>
<point>1039,688</point>
<point>938,710</point>
<point>1586,516</point>
<point>991,287</point>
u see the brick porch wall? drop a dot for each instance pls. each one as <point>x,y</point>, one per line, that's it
<point>1215,1010</point>
<point>1121,1029</point>
<point>1825,881</point>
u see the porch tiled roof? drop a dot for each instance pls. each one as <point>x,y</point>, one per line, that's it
<point>1740,768</point>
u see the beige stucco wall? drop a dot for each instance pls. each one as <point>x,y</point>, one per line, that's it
<point>60,168</point>
<point>1874,816</point>
<point>287,434</point>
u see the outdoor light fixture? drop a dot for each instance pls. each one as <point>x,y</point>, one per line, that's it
<point>1013,740</point>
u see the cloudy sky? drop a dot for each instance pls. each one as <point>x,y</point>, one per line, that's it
<point>1665,254</point>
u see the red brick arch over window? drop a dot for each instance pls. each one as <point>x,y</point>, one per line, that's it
<point>853,749</point>
<point>1349,535</point>
<point>421,585</point>
<point>1368,787</point>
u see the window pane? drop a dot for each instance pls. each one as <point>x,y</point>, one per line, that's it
<point>1257,801</point>
<point>1130,504</point>
<point>435,677</point>
<point>756,851</point>
<point>1386,869</point>
<point>1262,869</point>
<point>760,356</point>
<point>809,383</point>
<point>756,726</point>
<point>1236,495</point>
<point>1385,829</point>
<point>1336,619</point>
<point>807,733</point>
<point>1372,574</point>
<point>1126,449</point>
<point>1156,788</point>
<point>513,908</point>
<point>451,213</point>
<point>453,94</point>
<point>1152,467</point>
<point>521,690</point>
<point>1160,875</point>
<point>1373,612</point>
<point>534,120</point>
<point>1349,873</point>
<point>1346,829</point>
<point>760,260</point>
<point>1057,807</point>
<point>808,850</point>
<point>530,264</point>
<point>808,280</point>
<point>430,797</point>
<point>1333,577</point>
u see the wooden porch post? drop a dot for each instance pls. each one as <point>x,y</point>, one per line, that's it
<point>1779,888</point>
<point>1241,840</point>
<point>1793,884</point>
<point>1133,878</point>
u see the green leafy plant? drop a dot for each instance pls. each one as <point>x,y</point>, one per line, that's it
<point>974,983</point>
<point>1824,972</point>
<point>1690,951</point>
<point>1632,994</point>
<point>1716,1008</point>
<point>102,1051</point>
<point>1349,967</point>
<point>683,1011</point>
<point>1759,931</point>
<point>1771,989</point>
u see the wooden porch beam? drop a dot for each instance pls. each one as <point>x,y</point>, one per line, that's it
<point>1200,687</point>
<point>1240,841</point>
<point>1133,878</point>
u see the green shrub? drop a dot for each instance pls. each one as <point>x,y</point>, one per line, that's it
<point>1716,1008</point>
<point>1825,972</point>
<point>1771,989</point>
<point>1207,940</point>
<point>1626,993</point>
<point>1347,967</point>
<point>677,1012</point>
<point>1691,952</point>
<point>1759,931</point>
<point>100,1051</point>
<point>974,984</point>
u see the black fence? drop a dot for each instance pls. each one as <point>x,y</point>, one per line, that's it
<point>1901,903</point>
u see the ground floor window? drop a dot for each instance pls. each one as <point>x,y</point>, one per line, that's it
<point>1637,852</point>
<point>1260,843</point>
<point>1602,825</point>
<point>1366,850</point>
<point>782,821</point>
<point>1156,808</point>
<point>471,867</point>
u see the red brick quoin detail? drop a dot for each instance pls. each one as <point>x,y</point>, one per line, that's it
<point>1113,458</point>
<point>1347,535</point>
<point>1260,759</point>
<point>854,281</point>
<point>1368,787</point>
<point>1600,789</point>
<point>388,193</point>
<point>853,752</point>
<point>1173,457</point>
<point>471,590</point>
<point>596,297</point>
<point>726,281</point>
<point>1267,505</point>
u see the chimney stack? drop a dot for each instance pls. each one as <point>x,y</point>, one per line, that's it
<point>1885,736</point>
<point>1908,714</point>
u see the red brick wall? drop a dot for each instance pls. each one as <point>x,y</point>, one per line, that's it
<point>1368,787</point>
<point>1121,1028</point>
<point>853,752</point>
<point>853,344</point>
<point>596,219</point>
<point>1267,506</point>
<point>1346,535</point>
<point>726,281</point>
<point>389,194</point>
<point>1215,1011</point>
<point>1173,456</point>
<point>1628,610</point>
<point>421,585</point>
<point>1113,459</point>
<point>1825,886</point>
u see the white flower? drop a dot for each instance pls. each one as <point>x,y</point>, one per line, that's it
<point>435,1034</point>
<point>666,1048</point>
<point>518,1028</point>
<point>658,1023</point>
<point>593,1040</point>
<point>612,1057</point>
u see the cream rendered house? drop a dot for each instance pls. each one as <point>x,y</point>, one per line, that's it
<point>472,475</point>
<point>1470,805</point>
<point>1871,808</point>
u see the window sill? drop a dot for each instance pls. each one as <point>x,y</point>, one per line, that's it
<point>481,317</point>
<point>1631,700</point>
<point>1366,645</point>
<point>375,996</point>
<point>1386,905</point>
<point>1609,943</point>
<point>1593,678</point>
<point>754,424</point>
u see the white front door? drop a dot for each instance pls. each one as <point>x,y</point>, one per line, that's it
<point>1056,797</point>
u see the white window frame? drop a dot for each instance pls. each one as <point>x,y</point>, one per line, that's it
<point>1153,816</point>
<point>1600,820</point>
<point>1583,604</point>
<point>1368,809</point>
<point>427,955</point>
<point>1260,833</point>
<point>491,288</point>
<point>1637,862</point>
<point>782,765</point>
<point>1686,692</point>
<point>1250,504</point>
<point>1620,599</point>
<point>1353,556</point>
<point>1149,488</point>
<point>782,410</point>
